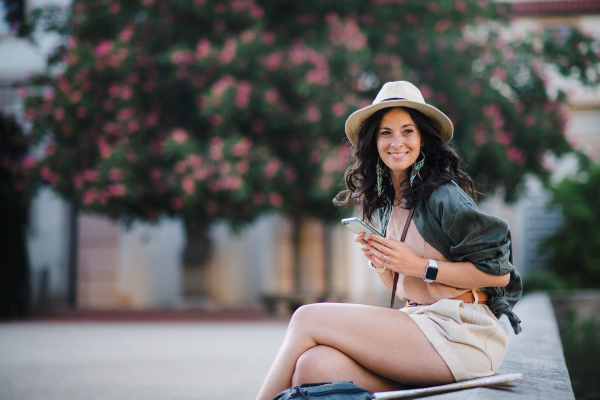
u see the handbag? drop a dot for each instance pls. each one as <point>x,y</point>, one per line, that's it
<point>341,390</point>
<point>404,232</point>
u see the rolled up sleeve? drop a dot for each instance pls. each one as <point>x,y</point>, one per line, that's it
<point>480,238</point>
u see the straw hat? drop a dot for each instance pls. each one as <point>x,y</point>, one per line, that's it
<point>398,94</point>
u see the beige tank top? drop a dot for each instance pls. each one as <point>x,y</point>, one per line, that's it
<point>412,288</point>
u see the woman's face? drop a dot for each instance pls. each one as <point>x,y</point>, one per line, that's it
<point>398,143</point>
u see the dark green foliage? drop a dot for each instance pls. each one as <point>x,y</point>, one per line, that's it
<point>14,264</point>
<point>574,247</point>
<point>581,346</point>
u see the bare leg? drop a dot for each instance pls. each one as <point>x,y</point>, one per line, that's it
<point>385,342</point>
<point>326,364</point>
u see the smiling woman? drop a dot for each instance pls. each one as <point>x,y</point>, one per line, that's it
<point>398,143</point>
<point>452,266</point>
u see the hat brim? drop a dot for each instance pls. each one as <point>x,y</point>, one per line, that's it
<point>356,119</point>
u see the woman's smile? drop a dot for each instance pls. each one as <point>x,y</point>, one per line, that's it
<point>398,143</point>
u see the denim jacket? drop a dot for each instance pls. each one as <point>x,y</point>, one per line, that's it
<point>450,222</point>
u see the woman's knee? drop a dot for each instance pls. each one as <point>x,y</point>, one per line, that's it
<point>306,316</point>
<point>317,364</point>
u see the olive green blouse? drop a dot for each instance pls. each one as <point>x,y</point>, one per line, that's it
<point>451,223</point>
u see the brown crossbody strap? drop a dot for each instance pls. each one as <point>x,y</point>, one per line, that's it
<point>406,225</point>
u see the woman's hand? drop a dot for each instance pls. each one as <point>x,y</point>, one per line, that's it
<point>394,255</point>
<point>364,246</point>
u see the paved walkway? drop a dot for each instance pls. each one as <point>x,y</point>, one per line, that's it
<point>89,357</point>
<point>136,360</point>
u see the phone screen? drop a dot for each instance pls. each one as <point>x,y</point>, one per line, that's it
<point>356,225</point>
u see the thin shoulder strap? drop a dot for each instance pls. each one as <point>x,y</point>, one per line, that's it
<point>406,225</point>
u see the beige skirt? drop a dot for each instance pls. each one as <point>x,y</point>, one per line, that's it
<point>467,336</point>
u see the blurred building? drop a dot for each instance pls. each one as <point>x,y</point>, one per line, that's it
<point>143,267</point>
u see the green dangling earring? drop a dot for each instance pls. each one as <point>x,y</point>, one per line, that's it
<point>379,171</point>
<point>416,168</point>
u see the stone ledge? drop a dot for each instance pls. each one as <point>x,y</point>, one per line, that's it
<point>537,353</point>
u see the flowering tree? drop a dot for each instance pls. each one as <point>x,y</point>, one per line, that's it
<point>224,110</point>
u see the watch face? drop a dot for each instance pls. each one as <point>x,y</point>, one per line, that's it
<point>431,273</point>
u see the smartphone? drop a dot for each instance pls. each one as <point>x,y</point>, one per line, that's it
<point>357,225</point>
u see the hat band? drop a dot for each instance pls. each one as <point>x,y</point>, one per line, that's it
<point>394,98</point>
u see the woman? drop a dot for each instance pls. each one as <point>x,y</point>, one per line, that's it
<point>454,268</point>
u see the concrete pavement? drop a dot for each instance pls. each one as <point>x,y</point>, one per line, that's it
<point>144,360</point>
<point>98,359</point>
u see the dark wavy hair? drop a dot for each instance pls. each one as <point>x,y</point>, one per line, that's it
<point>441,167</point>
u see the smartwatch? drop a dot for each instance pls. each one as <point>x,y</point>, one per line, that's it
<point>431,271</point>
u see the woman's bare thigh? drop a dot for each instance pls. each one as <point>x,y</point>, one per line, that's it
<point>326,364</point>
<point>385,341</point>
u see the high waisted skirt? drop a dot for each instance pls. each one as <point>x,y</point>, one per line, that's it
<point>467,336</point>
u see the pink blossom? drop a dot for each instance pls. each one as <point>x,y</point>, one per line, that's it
<point>273,60</point>
<point>225,168</point>
<point>271,96</point>
<point>243,94</point>
<point>248,36</point>
<point>216,148</point>
<point>243,167</point>
<point>503,137</point>
<point>258,198</point>
<point>29,162</point>
<point>125,114</point>
<point>48,175</point>
<point>188,185</point>
<point>22,91</point>
<point>194,160</point>
<point>290,174</point>
<point>115,7</point>
<point>59,114</point>
<point>91,175</point>
<point>515,155</point>
<point>104,48</point>
<point>133,126</point>
<point>116,174</point>
<point>480,136</point>
<point>126,34</point>
<point>339,109</point>
<point>89,197</point>
<point>275,199</point>
<point>201,173</point>
<point>241,147</point>
<point>272,168</point>
<point>313,114</point>
<point>460,5</point>
<point>117,190</point>
<point>229,50</point>
<point>76,96</point>
<point>391,39</point>
<point>152,119</point>
<point>203,49</point>
<point>216,119</point>
<point>104,148</point>
<point>179,135</point>
<point>315,156</point>
<point>326,182</point>
<point>177,203</point>
<point>126,92</point>
<point>49,93</point>
<point>156,173</point>
<point>268,38</point>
